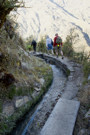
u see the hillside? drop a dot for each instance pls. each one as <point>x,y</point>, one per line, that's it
<point>51,16</point>
<point>23,78</point>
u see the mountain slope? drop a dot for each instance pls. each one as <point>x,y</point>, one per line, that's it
<point>51,16</point>
<point>23,77</point>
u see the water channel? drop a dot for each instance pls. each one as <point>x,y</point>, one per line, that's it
<point>36,119</point>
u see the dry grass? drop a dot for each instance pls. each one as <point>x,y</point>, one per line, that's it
<point>19,75</point>
<point>15,60</point>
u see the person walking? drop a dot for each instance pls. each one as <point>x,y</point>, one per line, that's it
<point>58,45</point>
<point>34,43</point>
<point>49,44</point>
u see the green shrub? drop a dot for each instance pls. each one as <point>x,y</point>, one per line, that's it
<point>29,47</point>
<point>6,6</point>
<point>79,57</point>
<point>42,46</point>
<point>67,46</point>
<point>67,49</point>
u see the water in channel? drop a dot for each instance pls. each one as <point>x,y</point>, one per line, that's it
<point>36,119</point>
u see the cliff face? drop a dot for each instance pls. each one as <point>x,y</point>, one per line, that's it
<point>22,77</point>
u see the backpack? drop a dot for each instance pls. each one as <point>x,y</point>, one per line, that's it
<point>58,40</point>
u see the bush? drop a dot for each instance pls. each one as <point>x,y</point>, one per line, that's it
<point>42,46</point>
<point>67,49</point>
<point>80,57</point>
<point>6,6</point>
<point>67,46</point>
<point>29,47</point>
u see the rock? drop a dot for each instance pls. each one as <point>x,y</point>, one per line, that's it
<point>42,81</point>
<point>19,101</point>
<point>70,78</point>
<point>8,108</point>
<point>35,94</point>
<point>37,89</point>
<point>36,84</point>
<point>24,66</point>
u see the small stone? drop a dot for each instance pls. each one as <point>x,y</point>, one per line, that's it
<point>37,89</point>
<point>35,94</point>
<point>8,109</point>
<point>70,78</point>
<point>42,81</point>
<point>19,101</point>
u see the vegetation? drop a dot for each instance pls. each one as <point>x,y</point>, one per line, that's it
<point>82,123</point>
<point>42,46</point>
<point>79,57</point>
<point>18,80</point>
<point>6,6</point>
<point>28,43</point>
<point>8,123</point>
<point>19,73</point>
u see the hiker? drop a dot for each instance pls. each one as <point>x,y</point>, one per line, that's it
<point>34,43</point>
<point>58,45</point>
<point>49,44</point>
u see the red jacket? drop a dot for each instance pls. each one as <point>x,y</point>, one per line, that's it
<point>55,44</point>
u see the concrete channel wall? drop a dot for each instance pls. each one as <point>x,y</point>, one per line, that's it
<point>62,119</point>
<point>56,62</point>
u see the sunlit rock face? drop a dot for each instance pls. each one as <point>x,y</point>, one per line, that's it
<point>46,17</point>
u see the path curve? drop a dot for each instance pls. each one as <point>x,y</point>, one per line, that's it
<point>63,117</point>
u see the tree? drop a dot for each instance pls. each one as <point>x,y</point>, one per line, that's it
<point>6,6</point>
